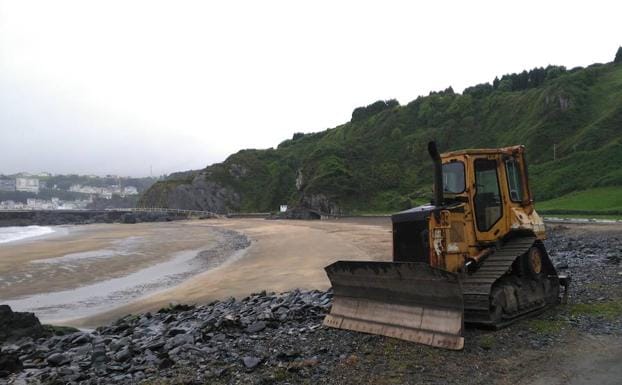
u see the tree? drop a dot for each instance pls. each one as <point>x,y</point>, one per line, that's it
<point>618,58</point>
<point>361,113</point>
<point>505,85</point>
<point>479,90</point>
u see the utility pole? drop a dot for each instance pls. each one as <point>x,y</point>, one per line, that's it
<point>151,171</point>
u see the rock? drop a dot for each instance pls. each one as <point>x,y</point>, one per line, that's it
<point>123,355</point>
<point>201,194</point>
<point>166,363</point>
<point>67,371</point>
<point>83,350</point>
<point>251,362</point>
<point>256,327</point>
<point>118,344</point>
<point>15,325</point>
<point>98,357</point>
<point>9,363</point>
<point>178,340</point>
<point>128,218</point>
<point>219,372</point>
<point>175,331</point>
<point>155,345</point>
<point>83,338</point>
<point>57,359</point>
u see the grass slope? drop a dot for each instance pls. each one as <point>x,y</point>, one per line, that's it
<point>597,200</point>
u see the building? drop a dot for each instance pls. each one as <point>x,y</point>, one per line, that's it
<point>27,184</point>
<point>7,184</point>
<point>130,190</point>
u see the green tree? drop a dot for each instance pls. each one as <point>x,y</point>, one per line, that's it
<point>618,58</point>
<point>396,133</point>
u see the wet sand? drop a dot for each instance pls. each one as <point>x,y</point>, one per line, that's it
<point>84,270</point>
<point>283,255</point>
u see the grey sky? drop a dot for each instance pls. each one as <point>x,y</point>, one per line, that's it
<point>116,86</point>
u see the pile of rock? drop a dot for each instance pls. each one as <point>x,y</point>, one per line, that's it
<point>220,340</point>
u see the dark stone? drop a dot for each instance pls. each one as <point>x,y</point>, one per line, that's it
<point>15,325</point>
<point>165,363</point>
<point>57,359</point>
<point>81,339</point>
<point>288,355</point>
<point>174,332</point>
<point>178,340</point>
<point>251,362</point>
<point>123,355</point>
<point>128,218</point>
<point>98,357</point>
<point>176,308</point>
<point>155,345</point>
<point>118,344</point>
<point>256,327</point>
<point>219,372</point>
<point>9,363</point>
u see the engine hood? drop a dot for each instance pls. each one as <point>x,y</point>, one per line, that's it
<point>415,214</point>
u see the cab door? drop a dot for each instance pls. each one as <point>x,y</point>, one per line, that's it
<point>487,198</point>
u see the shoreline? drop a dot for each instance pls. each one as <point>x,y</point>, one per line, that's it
<point>283,255</point>
<point>95,269</point>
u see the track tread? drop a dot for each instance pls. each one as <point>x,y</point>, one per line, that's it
<point>478,285</point>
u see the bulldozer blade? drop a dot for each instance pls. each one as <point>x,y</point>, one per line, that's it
<point>409,301</point>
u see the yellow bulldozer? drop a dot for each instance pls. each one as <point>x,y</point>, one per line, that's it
<point>474,255</point>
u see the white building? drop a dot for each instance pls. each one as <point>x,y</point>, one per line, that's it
<point>27,184</point>
<point>130,190</point>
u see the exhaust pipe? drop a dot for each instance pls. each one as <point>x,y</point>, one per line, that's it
<point>438,173</point>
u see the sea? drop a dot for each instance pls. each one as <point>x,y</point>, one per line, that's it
<point>16,233</point>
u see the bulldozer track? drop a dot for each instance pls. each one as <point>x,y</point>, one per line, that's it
<point>477,287</point>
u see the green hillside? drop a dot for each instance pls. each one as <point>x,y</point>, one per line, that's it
<point>603,200</point>
<point>378,161</point>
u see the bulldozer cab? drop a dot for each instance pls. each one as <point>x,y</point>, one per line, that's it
<point>493,187</point>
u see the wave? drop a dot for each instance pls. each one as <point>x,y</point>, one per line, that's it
<point>16,233</point>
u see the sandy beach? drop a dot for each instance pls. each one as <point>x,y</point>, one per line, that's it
<point>102,258</point>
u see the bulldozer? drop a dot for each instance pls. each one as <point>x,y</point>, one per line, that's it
<point>474,255</point>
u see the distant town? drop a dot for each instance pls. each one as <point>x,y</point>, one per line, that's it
<point>44,191</point>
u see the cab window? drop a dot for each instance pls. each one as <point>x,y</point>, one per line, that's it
<point>487,198</point>
<point>453,177</point>
<point>515,185</point>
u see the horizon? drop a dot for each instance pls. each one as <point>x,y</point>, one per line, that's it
<point>89,99</point>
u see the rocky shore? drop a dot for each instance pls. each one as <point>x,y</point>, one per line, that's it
<point>278,338</point>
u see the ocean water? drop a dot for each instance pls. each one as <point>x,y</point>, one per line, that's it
<point>16,233</point>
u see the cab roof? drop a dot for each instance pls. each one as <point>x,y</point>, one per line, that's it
<point>485,151</point>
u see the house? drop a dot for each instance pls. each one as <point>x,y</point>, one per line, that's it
<point>27,184</point>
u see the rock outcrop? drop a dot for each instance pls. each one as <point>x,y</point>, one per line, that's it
<point>15,325</point>
<point>200,193</point>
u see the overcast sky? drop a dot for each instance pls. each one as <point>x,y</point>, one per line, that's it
<point>115,87</point>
